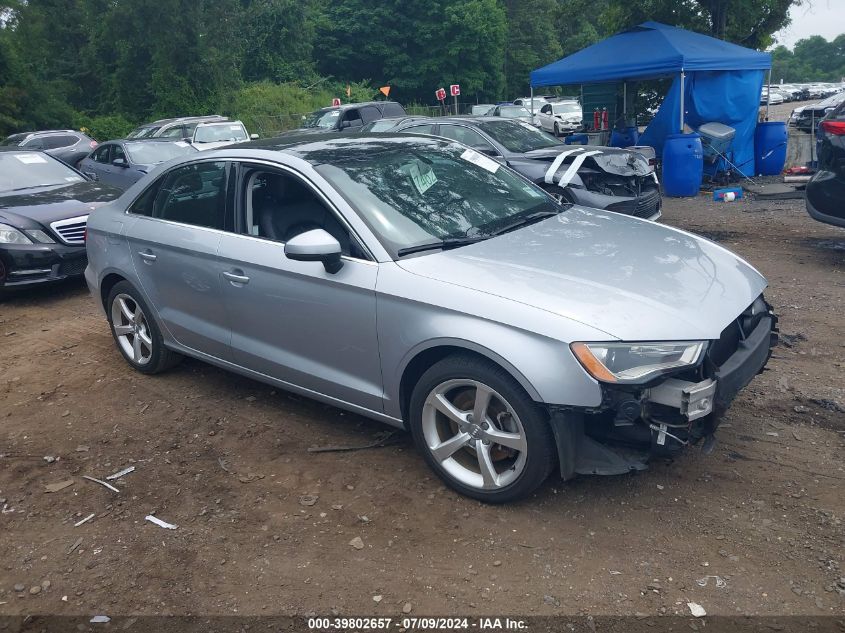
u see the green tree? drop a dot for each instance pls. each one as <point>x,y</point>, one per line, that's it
<point>532,41</point>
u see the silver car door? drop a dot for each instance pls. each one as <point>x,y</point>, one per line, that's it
<point>292,320</point>
<point>182,217</point>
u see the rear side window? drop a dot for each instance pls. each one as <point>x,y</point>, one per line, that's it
<point>393,110</point>
<point>55,142</point>
<point>34,143</point>
<point>419,129</point>
<point>369,114</point>
<point>194,194</point>
<point>177,131</point>
<point>464,135</point>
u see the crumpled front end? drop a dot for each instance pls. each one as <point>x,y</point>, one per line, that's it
<point>610,179</point>
<point>637,422</point>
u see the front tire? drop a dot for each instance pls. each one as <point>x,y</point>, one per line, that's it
<point>557,130</point>
<point>479,431</point>
<point>136,332</point>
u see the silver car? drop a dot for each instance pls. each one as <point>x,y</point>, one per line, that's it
<point>418,282</point>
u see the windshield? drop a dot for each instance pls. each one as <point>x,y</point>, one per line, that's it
<point>513,111</point>
<point>412,194</point>
<point>322,118</point>
<point>519,137</point>
<point>22,170</point>
<point>566,108</point>
<point>144,132</point>
<point>220,132</point>
<point>152,152</point>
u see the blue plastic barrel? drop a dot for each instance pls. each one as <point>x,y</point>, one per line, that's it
<point>683,165</point>
<point>626,137</point>
<point>769,148</point>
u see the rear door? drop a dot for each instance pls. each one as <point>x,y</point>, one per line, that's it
<point>181,219</point>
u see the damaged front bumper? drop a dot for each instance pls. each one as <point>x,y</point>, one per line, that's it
<point>636,423</point>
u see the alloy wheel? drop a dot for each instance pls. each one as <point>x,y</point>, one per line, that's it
<point>131,329</point>
<point>474,434</point>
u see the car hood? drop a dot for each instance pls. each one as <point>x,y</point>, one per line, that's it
<point>633,279</point>
<point>621,162</point>
<point>48,204</point>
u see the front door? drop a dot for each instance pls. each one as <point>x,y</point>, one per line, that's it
<point>182,218</point>
<point>292,320</point>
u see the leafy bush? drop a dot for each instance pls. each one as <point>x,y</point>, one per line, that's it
<point>269,108</point>
<point>104,127</point>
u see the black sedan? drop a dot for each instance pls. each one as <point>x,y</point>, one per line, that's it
<point>44,206</point>
<point>609,178</point>
<point>826,191</point>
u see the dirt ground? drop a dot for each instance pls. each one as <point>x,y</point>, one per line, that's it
<point>226,460</point>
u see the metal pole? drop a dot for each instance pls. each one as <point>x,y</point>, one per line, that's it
<point>682,101</point>
<point>532,102</point>
<point>625,101</point>
<point>456,105</point>
<point>768,94</point>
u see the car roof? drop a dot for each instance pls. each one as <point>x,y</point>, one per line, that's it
<point>346,106</point>
<point>15,148</point>
<point>333,146</point>
<point>180,119</point>
<point>226,122</point>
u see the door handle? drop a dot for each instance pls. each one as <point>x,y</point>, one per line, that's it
<point>147,257</point>
<point>236,279</point>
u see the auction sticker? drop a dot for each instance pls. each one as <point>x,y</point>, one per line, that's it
<point>30,159</point>
<point>481,160</point>
<point>422,176</point>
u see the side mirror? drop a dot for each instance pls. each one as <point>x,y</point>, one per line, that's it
<point>253,136</point>
<point>120,162</point>
<point>316,245</point>
<point>486,150</point>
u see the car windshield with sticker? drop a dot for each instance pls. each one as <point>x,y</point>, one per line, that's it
<point>412,195</point>
<point>25,170</point>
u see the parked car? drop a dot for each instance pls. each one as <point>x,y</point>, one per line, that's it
<point>44,204</point>
<point>481,109</point>
<point>561,117</point>
<point>427,286</point>
<point>174,129</point>
<point>348,118</point>
<point>609,178</point>
<point>214,134</point>
<point>826,191</point>
<point>518,112</point>
<point>805,117</point>
<point>526,102</point>
<point>69,146</point>
<point>123,163</point>
<point>772,98</point>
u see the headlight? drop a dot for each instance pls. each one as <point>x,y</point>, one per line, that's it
<point>10,235</point>
<point>635,362</point>
<point>37,235</point>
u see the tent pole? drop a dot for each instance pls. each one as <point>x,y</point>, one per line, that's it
<point>625,101</point>
<point>768,94</point>
<point>682,102</point>
<point>532,102</point>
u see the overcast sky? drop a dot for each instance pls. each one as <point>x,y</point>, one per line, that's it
<point>814,17</point>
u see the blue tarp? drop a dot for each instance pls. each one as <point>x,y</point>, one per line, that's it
<point>648,51</point>
<point>732,98</point>
<point>722,80</point>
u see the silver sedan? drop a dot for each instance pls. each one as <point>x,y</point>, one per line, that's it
<point>420,283</point>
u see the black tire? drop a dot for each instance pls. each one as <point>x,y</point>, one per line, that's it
<point>160,359</point>
<point>541,450</point>
<point>557,130</point>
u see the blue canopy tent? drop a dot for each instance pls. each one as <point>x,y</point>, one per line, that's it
<point>713,80</point>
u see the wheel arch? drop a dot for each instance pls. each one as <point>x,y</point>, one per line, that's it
<point>106,284</point>
<point>423,356</point>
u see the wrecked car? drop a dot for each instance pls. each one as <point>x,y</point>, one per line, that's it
<point>608,178</point>
<point>426,285</point>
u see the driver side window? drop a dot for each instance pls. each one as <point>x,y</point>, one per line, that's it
<point>546,109</point>
<point>280,206</point>
<point>102,154</point>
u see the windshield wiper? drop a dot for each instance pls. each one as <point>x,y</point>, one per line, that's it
<point>449,242</point>
<point>525,220</point>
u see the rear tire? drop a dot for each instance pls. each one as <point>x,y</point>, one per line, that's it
<point>135,331</point>
<point>479,430</point>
